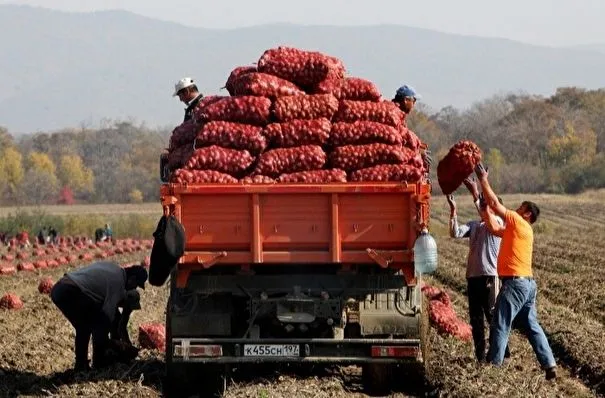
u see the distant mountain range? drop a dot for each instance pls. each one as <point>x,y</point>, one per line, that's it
<point>66,69</point>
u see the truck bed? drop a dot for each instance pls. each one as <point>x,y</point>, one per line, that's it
<point>344,223</point>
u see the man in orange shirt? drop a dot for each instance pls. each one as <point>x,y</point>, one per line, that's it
<point>517,297</point>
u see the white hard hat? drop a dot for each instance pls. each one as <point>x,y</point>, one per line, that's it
<point>181,84</point>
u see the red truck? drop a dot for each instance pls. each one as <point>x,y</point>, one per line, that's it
<point>298,273</point>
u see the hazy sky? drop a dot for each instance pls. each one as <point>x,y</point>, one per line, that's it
<point>547,22</point>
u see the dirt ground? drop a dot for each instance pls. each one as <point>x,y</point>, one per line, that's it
<point>36,342</point>
<point>36,356</point>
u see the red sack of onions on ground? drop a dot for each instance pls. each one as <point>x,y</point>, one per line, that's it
<point>245,109</point>
<point>232,135</point>
<point>257,179</point>
<point>364,132</point>
<point>298,132</point>
<point>443,317</point>
<point>304,68</point>
<point>31,267</point>
<point>264,85</point>
<point>46,285</point>
<point>152,336</point>
<point>22,256</point>
<point>290,160</point>
<point>236,74</point>
<point>457,165</point>
<point>355,157</point>
<point>388,172</point>
<point>10,301</point>
<point>7,269</point>
<point>184,134</point>
<point>314,177</point>
<point>434,293</point>
<point>384,112</point>
<point>305,107</point>
<point>225,160</point>
<point>183,176</point>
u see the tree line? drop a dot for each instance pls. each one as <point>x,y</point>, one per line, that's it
<point>532,144</point>
<point>117,163</point>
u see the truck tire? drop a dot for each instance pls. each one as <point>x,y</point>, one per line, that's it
<point>190,379</point>
<point>415,378</point>
<point>377,378</point>
<point>194,380</point>
<point>425,341</point>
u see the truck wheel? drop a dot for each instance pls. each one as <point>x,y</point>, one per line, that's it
<point>425,341</point>
<point>414,378</point>
<point>195,380</point>
<point>176,383</point>
<point>377,378</point>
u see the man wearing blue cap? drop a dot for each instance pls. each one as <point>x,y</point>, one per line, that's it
<point>405,98</point>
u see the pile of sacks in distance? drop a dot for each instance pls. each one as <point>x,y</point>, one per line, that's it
<point>295,118</point>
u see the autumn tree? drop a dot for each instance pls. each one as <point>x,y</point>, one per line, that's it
<point>135,196</point>
<point>40,184</point>
<point>74,174</point>
<point>11,172</point>
<point>6,140</point>
<point>495,161</point>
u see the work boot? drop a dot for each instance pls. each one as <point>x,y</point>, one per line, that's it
<point>551,373</point>
<point>82,366</point>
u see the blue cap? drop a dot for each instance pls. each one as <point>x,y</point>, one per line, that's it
<point>407,91</point>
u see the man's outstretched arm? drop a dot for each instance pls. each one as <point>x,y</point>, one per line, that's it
<point>488,192</point>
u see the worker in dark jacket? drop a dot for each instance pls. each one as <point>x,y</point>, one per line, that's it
<point>89,298</point>
<point>188,93</point>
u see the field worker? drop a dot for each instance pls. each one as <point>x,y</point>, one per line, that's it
<point>188,93</point>
<point>23,239</point>
<point>405,98</point>
<point>89,298</point>
<point>481,275</point>
<point>108,232</point>
<point>517,298</point>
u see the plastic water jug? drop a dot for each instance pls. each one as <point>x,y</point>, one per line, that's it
<point>425,253</point>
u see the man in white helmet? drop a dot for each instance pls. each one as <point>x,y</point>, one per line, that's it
<point>188,93</point>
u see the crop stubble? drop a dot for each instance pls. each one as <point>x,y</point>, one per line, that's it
<point>37,341</point>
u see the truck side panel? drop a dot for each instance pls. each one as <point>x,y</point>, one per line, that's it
<point>298,224</point>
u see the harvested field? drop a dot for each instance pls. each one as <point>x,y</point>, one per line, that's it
<point>36,342</point>
<point>143,208</point>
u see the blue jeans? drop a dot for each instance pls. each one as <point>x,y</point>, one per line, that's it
<point>517,299</point>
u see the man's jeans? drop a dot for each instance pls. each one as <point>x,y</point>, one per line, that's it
<point>517,298</point>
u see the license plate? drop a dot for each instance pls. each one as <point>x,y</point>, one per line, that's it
<point>271,350</point>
